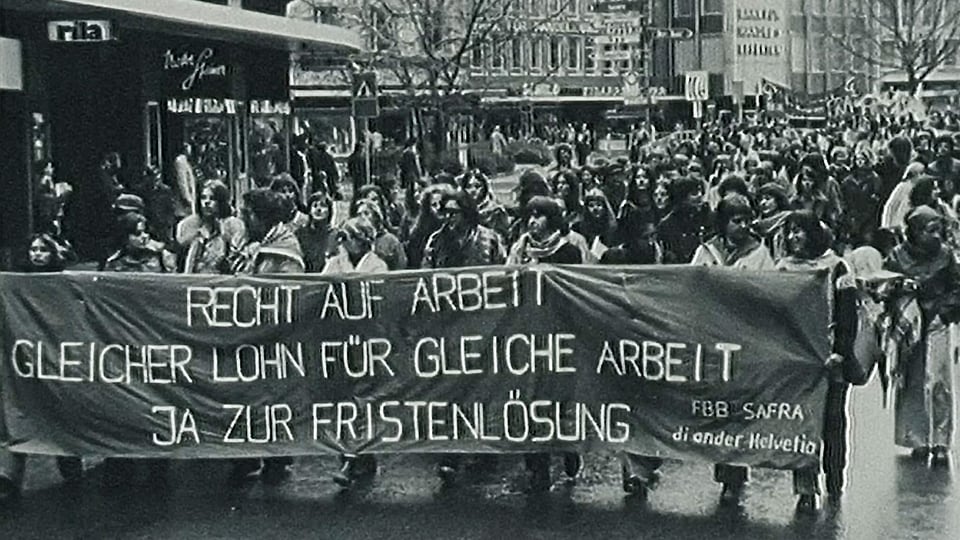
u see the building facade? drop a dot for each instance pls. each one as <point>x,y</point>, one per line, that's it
<point>142,79</point>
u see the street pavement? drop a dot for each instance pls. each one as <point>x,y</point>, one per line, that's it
<point>888,496</point>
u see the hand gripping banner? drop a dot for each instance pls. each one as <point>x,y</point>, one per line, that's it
<point>684,362</point>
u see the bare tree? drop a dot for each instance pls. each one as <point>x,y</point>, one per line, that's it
<point>431,46</point>
<point>914,37</point>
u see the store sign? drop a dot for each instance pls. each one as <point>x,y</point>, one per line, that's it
<point>760,40</point>
<point>11,64</point>
<point>79,31</point>
<point>265,106</point>
<point>196,66</point>
<point>202,106</point>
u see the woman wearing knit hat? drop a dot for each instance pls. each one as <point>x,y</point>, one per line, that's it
<point>925,398</point>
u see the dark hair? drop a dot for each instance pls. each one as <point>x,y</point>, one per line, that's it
<point>572,200</point>
<point>732,205</point>
<point>267,205</point>
<point>221,194</point>
<point>922,192</point>
<point>733,183</point>
<point>57,262</point>
<point>468,207</point>
<point>530,185</point>
<point>284,180</point>
<point>816,162</point>
<point>550,207</point>
<point>681,188</point>
<point>362,193</point>
<point>324,198</point>
<point>470,175</point>
<point>818,236</point>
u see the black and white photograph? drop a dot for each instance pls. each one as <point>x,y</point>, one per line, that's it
<point>479,269</point>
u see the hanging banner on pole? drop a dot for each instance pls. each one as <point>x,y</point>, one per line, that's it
<point>694,363</point>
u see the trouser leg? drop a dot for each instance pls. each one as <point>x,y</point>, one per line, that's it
<point>642,467</point>
<point>835,437</point>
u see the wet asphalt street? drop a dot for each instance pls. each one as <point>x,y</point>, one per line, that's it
<point>888,496</point>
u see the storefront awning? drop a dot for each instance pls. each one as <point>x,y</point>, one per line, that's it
<point>209,21</point>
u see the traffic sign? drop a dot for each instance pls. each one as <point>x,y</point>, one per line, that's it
<point>365,94</point>
<point>618,6</point>
<point>697,85</point>
<point>670,33</point>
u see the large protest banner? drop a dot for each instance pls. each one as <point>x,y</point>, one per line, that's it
<point>693,363</point>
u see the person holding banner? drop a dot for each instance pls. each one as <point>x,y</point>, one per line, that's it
<point>460,241</point>
<point>808,248</point>
<point>925,402</point>
<point>733,246</point>
<point>272,248</point>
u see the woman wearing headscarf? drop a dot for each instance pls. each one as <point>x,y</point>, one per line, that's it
<point>209,237</point>
<point>492,214</point>
<point>317,238</point>
<point>925,402</point>
<point>387,246</point>
<point>598,226</point>
<point>808,248</point>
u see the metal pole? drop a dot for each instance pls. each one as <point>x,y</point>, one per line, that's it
<point>367,146</point>
<point>647,55</point>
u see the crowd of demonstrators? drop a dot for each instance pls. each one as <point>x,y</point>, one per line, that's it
<point>754,197</point>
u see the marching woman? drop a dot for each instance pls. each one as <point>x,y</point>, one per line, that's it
<point>546,242</point>
<point>492,214</point>
<point>733,246</point>
<point>460,241</point>
<point>210,236</point>
<point>356,256</point>
<point>807,244</point>
<point>924,405</point>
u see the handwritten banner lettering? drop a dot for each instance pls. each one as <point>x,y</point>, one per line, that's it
<point>680,362</point>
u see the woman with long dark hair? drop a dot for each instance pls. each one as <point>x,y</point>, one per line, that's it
<point>807,243</point>
<point>492,214</point>
<point>209,237</point>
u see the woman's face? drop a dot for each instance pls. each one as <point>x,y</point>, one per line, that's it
<point>288,192</point>
<point>661,197</point>
<point>595,208</point>
<point>537,224</point>
<point>436,200</point>
<point>139,238</point>
<point>808,179</point>
<point>796,240</point>
<point>930,236</point>
<point>40,254</point>
<point>586,176</point>
<point>451,214</point>
<point>737,230</point>
<point>768,205</point>
<point>474,188</point>
<point>208,204</point>
<point>563,188</point>
<point>368,213</point>
<point>319,211</point>
<point>352,245</point>
<point>862,162</point>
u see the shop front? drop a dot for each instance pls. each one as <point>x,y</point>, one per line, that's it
<point>136,84</point>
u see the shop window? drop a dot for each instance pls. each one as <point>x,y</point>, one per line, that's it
<point>476,57</point>
<point>556,53</point>
<point>816,54</point>
<point>336,129</point>
<point>683,8</point>
<point>516,54</point>
<point>269,146</point>
<point>536,54</point>
<point>589,55</point>
<point>496,60</point>
<point>713,7</point>
<point>574,53</point>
